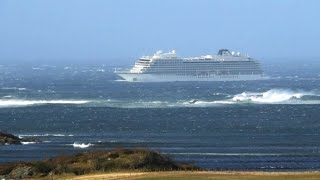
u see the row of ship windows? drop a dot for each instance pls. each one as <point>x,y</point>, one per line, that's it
<point>204,67</point>
<point>198,65</point>
<point>203,61</point>
<point>203,70</point>
<point>201,66</point>
<point>215,74</point>
<point>198,76</point>
<point>253,67</point>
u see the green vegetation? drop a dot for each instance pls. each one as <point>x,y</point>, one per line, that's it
<point>134,164</point>
<point>91,162</point>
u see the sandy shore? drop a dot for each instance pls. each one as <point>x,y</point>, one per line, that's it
<point>199,175</point>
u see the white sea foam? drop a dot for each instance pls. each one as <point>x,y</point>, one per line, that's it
<point>14,88</point>
<point>26,143</point>
<point>81,145</point>
<point>44,135</point>
<point>100,70</point>
<point>271,96</point>
<point>37,68</point>
<point>213,102</point>
<point>20,102</point>
<point>7,96</point>
<point>203,103</point>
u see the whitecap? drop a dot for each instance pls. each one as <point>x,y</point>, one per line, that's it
<point>81,145</point>
<point>7,96</point>
<point>37,68</point>
<point>271,96</point>
<point>26,143</point>
<point>14,88</point>
<point>202,103</point>
<point>100,70</point>
<point>21,102</point>
<point>213,102</point>
<point>44,135</point>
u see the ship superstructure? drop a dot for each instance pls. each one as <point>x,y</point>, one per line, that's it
<point>165,67</point>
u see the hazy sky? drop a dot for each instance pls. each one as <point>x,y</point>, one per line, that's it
<point>60,30</point>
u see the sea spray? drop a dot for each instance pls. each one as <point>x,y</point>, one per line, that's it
<point>271,96</point>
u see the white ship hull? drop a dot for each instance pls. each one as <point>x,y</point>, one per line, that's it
<point>138,77</point>
<point>167,67</point>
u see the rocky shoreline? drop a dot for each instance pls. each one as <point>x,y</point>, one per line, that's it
<point>86,162</point>
<point>10,139</point>
<point>91,162</point>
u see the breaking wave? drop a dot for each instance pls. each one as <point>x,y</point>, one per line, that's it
<point>26,143</point>
<point>271,96</point>
<point>81,145</point>
<point>19,102</point>
<point>14,88</point>
<point>45,135</point>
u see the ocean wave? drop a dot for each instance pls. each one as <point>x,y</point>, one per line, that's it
<point>7,96</point>
<point>271,96</point>
<point>19,102</point>
<point>14,88</point>
<point>26,143</point>
<point>81,145</point>
<point>44,135</point>
<point>213,102</point>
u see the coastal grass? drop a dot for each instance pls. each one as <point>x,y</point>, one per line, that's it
<point>231,176</point>
<point>199,175</point>
<point>84,163</point>
<point>132,164</point>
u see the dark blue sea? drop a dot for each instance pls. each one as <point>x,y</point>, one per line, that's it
<point>269,125</point>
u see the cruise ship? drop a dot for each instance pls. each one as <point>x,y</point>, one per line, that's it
<point>167,67</point>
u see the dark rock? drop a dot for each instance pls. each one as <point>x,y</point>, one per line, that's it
<point>7,139</point>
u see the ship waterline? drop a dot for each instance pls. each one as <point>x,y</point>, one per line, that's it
<point>166,67</point>
<point>131,77</point>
